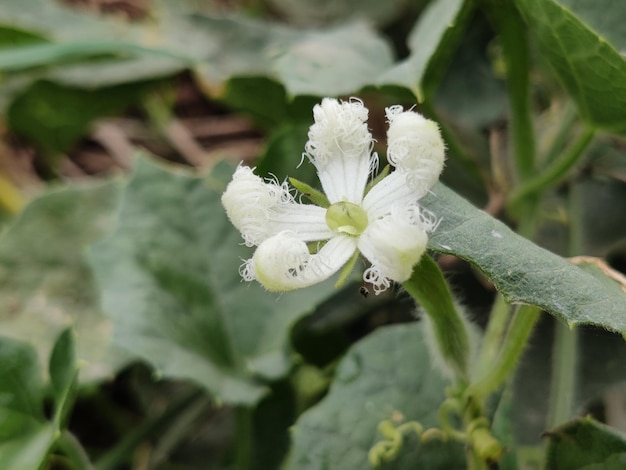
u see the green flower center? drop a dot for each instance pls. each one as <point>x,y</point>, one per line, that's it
<point>346,217</point>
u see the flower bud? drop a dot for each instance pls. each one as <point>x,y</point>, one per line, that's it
<point>415,147</point>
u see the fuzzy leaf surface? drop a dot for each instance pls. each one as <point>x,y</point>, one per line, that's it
<point>45,285</point>
<point>170,283</point>
<point>386,376</point>
<point>522,271</point>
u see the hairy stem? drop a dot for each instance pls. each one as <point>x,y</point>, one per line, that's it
<point>555,171</point>
<point>494,335</point>
<point>563,381</point>
<point>429,288</point>
<point>516,338</point>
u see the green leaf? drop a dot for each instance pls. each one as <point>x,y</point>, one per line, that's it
<point>330,62</point>
<point>56,116</point>
<point>582,41</point>
<point>45,285</point>
<point>335,61</point>
<point>28,451</point>
<point>522,271</point>
<point>431,39</point>
<point>170,283</point>
<point>600,367</point>
<point>386,376</point>
<point>24,440</point>
<point>585,444</point>
<point>20,380</point>
<point>63,371</point>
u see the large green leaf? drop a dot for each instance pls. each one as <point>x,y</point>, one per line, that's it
<point>329,62</point>
<point>584,42</point>
<point>170,283</point>
<point>335,61</point>
<point>600,366</point>
<point>45,285</point>
<point>585,444</point>
<point>522,271</point>
<point>386,376</point>
<point>431,39</point>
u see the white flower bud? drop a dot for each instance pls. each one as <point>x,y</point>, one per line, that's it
<point>415,147</point>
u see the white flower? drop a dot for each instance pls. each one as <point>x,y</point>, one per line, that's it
<point>302,244</point>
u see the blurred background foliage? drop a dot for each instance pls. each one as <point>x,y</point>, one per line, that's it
<point>121,121</point>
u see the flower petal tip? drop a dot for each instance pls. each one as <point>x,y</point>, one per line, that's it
<point>415,146</point>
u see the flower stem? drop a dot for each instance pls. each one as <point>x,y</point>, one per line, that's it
<point>565,346</point>
<point>554,172</point>
<point>562,385</point>
<point>429,288</point>
<point>508,24</point>
<point>519,331</point>
<point>492,340</point>
<point>74,451</point>
<point>243,418</point>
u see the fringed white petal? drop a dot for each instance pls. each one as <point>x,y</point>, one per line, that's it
<point>260,209</point>
<point>283,262</point>
<point>391,191</point>
<point>415,147</point>
<point>308,222</point>
<point>340,147</point>
<point>393,244</point>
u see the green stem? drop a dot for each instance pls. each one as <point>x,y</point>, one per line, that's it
<point>565,347</point>
<point>567,119</point>
<point>19,58</point>
<point>474,462</point>
<point>116,457</point>
<point>507,22</point>
<point>494,335</point>
<point>74,451</point>
<point>562,386</point>
<point>555,171</point>
<point>429,288</point>
<point>517,335</point>
<point>243,416</point>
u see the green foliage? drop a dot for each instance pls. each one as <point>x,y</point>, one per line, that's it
<point>25,437</point>
<point>585,444</point>
<point>57,116</point>
<point>145,267</point>
<point>543,279</point>
<point>45,285</point>
<point>170,285</point>
<point>390,372</point>
<point>584,50</point>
